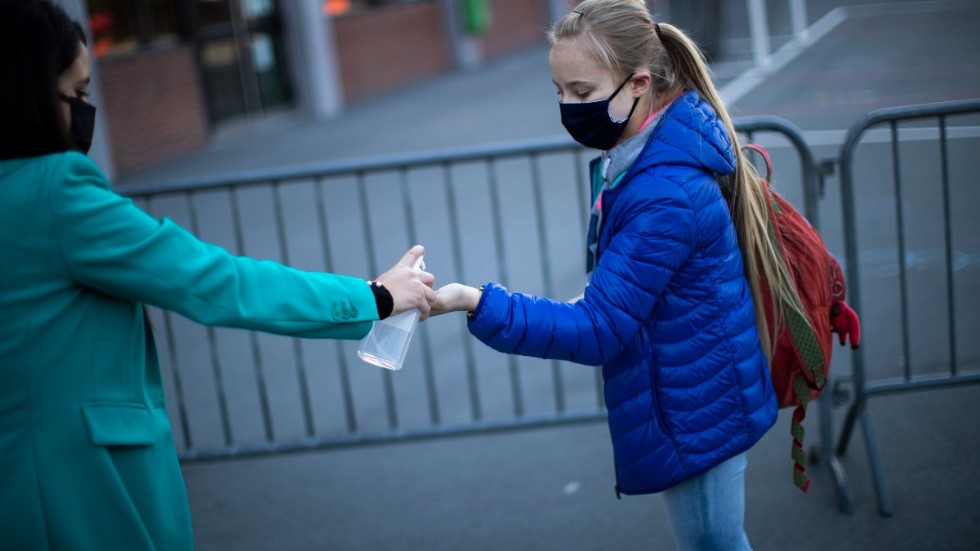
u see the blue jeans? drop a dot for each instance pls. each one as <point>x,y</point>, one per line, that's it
<point>707,512</point>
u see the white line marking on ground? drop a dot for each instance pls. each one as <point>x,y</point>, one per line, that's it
<point>749,80</point>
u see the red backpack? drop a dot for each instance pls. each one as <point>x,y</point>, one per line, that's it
<point>802,350</point>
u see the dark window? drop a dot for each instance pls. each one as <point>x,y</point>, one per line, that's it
<point>126,25</point>
<point>241,54</point>
<point>238,45</point>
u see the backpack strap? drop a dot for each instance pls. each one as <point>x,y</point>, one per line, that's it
<point>798,453</point>
<point>812,375</point>
<point>804,337</point>
<point>804,340</point>
<point>765,155</point>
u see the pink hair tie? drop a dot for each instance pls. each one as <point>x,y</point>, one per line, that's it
<point>656,27</point>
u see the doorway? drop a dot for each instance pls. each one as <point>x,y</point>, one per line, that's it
<point>239,44</point>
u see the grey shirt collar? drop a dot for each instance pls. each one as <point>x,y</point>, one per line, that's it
<point>618,159</point>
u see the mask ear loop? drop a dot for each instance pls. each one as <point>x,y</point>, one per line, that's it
<point>629,78</point>
<point>636,101</point>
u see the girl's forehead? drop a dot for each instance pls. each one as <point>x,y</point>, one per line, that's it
<point>571,60</point>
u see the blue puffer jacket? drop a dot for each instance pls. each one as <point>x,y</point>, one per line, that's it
<point>668,313</point>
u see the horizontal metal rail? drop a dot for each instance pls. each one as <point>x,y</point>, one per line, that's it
<point>368,164</point>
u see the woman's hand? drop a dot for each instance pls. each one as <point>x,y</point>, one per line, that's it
<point>409,287</point>
<point>455,297</point>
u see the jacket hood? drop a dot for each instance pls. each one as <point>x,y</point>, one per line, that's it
<point>690,134</point>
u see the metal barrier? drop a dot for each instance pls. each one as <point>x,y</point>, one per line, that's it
<point>514,214</point>
<point>206,377</point>
<point>866,386</point>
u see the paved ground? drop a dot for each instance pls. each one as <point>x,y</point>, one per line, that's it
<point>552,488</point>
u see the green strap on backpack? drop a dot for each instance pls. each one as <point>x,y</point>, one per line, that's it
<point>802,348</point>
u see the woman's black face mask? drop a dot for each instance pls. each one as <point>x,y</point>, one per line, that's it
<point>590,124</point>
<point>82,122</point>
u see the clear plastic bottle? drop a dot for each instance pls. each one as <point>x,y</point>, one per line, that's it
<point>387,343</point>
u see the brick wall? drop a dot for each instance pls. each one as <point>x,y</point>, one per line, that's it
<point>390,47</point>
<point>154,106</point>
<point>517,24</point>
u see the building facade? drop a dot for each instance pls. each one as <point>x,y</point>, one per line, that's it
<point>169,73</point>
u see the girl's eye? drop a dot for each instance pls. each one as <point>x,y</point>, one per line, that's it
<point>581,95</point>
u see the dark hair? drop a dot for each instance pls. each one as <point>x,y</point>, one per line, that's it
<point>38,42</point>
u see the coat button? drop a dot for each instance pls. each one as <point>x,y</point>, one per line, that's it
<point>343,311</point>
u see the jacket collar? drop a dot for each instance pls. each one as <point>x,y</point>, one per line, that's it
<point>690,134</point>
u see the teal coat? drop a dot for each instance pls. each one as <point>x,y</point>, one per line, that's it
<point>87,459</point>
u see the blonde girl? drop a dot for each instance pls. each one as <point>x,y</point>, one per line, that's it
<point>676,246</point>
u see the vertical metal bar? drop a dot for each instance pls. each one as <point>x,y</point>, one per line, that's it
<point>844,496</point>
<point>824,403</point>
<point>212,345</point>
<point>430,380</point>
<point>498,233</point>
<point>537,195</point>
<point>848,219</point>
<point>848,427</point>
<point>476,409</point>
<point>902,281</point>
<point>797,14</point>
<point>389,387</point>
<point>304,390</point>
<point>948,237</point>
<point>256,350</point>
<point>811,190</point>
<point>759,29</point>
<point>871,445</point>
<point>349,413</point>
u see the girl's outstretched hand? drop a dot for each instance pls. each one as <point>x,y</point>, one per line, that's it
<point>455,297</point>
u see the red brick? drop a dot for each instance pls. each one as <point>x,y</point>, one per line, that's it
<point>154,106</point>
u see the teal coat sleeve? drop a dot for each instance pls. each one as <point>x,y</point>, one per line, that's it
<point>112,245</point>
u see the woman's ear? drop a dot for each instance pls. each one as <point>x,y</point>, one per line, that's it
<point>640,84</point>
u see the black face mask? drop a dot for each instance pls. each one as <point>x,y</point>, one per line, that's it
<point>82,122</point>
<point>590,124</point>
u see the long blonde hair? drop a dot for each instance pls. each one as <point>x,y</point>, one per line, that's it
<point>624,38</point>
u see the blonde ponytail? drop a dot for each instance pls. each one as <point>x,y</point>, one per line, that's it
<point>749,201</point>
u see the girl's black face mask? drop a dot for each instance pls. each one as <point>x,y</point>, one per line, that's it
<point>82,122</point>
<point>590,124</point>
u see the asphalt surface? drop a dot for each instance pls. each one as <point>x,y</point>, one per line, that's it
<point>552,488</point>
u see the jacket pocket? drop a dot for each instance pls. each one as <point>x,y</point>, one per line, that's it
<point>119,424</point>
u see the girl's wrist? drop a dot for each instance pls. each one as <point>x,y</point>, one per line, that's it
<point>473,295</point>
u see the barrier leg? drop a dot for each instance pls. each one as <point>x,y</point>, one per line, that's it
<point>827,450</point>
<point>871,443</point>
<point>845,435</point>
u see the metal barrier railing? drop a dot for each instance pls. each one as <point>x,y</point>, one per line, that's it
<point>191,411</point>
<point>866,386</point>
<point>481,212</point>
